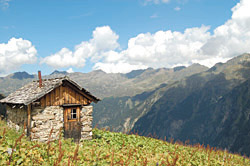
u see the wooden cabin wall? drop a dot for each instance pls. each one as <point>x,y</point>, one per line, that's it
<point>63,95</point>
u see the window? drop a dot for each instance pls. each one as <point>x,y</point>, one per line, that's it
<point>73,113</point>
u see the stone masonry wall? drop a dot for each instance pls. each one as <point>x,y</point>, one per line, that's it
<point>86,119</point>
<point>43,120</point>
<point>16,117</point>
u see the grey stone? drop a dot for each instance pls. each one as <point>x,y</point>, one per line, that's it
<point>43,117</point>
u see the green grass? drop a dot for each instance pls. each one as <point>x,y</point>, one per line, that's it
<point>108,148</point>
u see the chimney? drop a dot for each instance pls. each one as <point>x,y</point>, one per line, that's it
<point>40,79</point>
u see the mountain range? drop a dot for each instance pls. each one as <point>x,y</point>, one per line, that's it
<point>211,107</point>
<point>195,103</point>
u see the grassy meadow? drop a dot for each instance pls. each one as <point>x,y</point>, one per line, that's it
<point>108,148</point>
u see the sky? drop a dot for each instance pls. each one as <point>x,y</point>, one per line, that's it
<point>118,36</point>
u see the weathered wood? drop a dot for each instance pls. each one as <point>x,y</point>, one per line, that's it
<point>29,119</point>
<point>68,89</point>
<point>70,95</point>
<point>36,103</point>
<point>52,99</point>
<point>67,95</point>
<point>78,114</point>
<point>81,99</point>
<point>47,99</point>
<point>74,88</point>
<point>72,128</point>
<point>42,102</point>
<point>61,96</point>
<point>77,98</point>
<point>56,97</point>
<point>65,115</point>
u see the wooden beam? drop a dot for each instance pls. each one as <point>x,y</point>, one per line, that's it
<point>29,119</point>
<point>37,103</point>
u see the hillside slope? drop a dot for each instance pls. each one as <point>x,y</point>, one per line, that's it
<point>108,148</point>
<point>121,113</point>
<point>235,110</point>
<point>194,109</point>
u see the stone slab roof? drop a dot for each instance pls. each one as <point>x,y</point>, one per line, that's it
<point>31,92</point>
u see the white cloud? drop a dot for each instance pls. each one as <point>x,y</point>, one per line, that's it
<point>16,53</point>
<point>210,61</point>
<point>70,70</point>
<point>120,67</point>
<point>64,58</point>
<point>104,39</point>
<point>177,8</point>
<point>4,4</point>
<point>162,48</point>
<point>195,45</point>
<point>156,1</point>
<point>232,38</point>
<point>154,16</point>
<point>241,10</point>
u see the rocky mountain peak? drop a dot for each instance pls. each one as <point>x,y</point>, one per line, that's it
<point>22,75</point>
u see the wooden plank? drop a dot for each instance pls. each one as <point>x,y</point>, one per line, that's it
<point>80,92</point>
<point>61,96</point>
<point>64,95</point>
<point>47,99</point>
<point>83,99</point>
<point>65,115</point>
<point>78,114</point>
<point>77,98</point>
<point>54,103</point>
<point>56,96</point>
<point>80,99</point>
<point>42,100</point>
<point>67,95</point>
<point>73,97</point>
<point>29,119</point>
<point>52,99</point>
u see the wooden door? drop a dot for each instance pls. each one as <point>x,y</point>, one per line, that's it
<point>72,123</point>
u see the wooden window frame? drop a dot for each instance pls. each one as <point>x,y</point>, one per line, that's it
<point>71,114</point>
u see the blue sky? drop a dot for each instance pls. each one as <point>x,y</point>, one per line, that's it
<point>47,35</point>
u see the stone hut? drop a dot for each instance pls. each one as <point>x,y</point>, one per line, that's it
<point>51,105</point>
